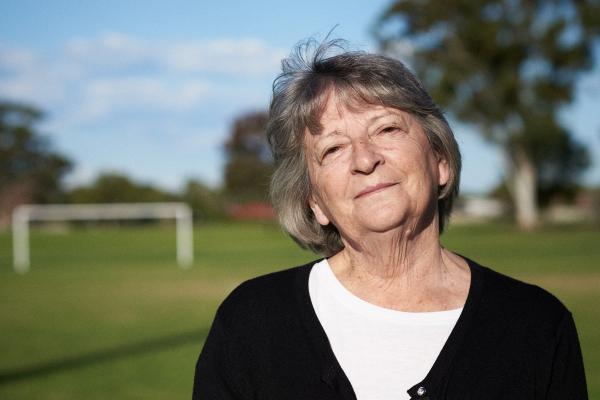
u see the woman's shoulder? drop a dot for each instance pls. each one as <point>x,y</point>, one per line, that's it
<point>273,293</point>
<point>517,300</point>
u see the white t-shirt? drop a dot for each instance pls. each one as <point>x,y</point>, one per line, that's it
<point>383,352</point>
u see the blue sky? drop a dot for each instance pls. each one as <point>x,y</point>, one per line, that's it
<point>150,88</point>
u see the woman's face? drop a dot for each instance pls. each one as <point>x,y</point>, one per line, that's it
<point>372,170</point>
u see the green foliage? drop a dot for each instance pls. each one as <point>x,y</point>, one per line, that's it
<point>505,66</point>
<point>116,188</point>
<point>30,170</point>
<point>247,179</point>
<point>206,203</point>
<point>558,157</point>
<point>559,161</point>
<point>249,165</point>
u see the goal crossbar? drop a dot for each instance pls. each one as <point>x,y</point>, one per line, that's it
<point>24,214</point>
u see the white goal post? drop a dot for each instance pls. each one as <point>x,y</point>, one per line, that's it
<point>24,214</point>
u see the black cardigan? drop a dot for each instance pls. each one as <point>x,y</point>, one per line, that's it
<point>512,341</point>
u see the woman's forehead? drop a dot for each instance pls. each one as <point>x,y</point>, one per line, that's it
<point>336,110</point>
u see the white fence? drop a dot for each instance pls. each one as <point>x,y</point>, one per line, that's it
<point>24,214</point>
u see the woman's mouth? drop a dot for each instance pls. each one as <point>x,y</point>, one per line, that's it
<point>374,189</point>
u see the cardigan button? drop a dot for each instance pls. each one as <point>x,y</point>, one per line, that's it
<point>421,391</point>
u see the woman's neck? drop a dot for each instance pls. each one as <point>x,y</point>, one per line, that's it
<point>403,270</point>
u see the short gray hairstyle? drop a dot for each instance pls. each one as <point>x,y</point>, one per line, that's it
<point>299,97</point>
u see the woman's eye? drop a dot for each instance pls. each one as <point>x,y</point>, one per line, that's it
<point>330,150</point>
<point>389,129</point>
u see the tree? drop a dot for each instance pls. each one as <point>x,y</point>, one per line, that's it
<point>117,188</point>
<point>249,164</point>
<point>206,203</point>
<point>30,170</point>
<point>506,66</point>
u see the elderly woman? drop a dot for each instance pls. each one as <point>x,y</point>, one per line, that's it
<point>366,172</point>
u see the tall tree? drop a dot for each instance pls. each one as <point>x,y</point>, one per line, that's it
<point>117,188</point>
<point>205,202</point>
<point>506,66</point>
<point>249,163</point>
<point>30,170</point>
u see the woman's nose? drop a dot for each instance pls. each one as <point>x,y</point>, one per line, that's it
<point>365,157</point>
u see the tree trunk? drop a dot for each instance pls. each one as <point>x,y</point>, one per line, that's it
<point>524,189</point>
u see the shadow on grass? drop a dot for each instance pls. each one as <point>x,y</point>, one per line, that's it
<point>110,354</point>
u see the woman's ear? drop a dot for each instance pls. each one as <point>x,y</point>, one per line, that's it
<point>443,171</point>
<point>318,211</point>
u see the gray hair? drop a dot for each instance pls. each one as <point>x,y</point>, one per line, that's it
<point>299,97</point>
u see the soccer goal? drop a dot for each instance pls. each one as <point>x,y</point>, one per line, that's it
<point>24,214</point>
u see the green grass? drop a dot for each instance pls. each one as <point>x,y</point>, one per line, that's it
<point>92,290</point>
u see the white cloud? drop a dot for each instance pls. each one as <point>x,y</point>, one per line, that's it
<point>111,51</point>
<point>239,57</point>
<point>115,51</point>
<point>40,89</point>
<point>102,97</point>
<point>83,62</point>
<point>91,78</point>
<point>132,93</point>
<point>16,59</point>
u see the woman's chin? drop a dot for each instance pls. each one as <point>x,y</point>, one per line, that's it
<point>384,223</point>
<point>393,220</point>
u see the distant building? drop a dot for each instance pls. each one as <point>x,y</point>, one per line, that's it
<point>473,208</point>
<point>261,211</point>
<point>585,208</point>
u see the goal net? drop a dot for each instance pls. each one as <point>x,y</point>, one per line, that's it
<point>24,214</point>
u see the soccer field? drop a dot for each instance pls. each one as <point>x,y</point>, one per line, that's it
<point>106,313</point>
